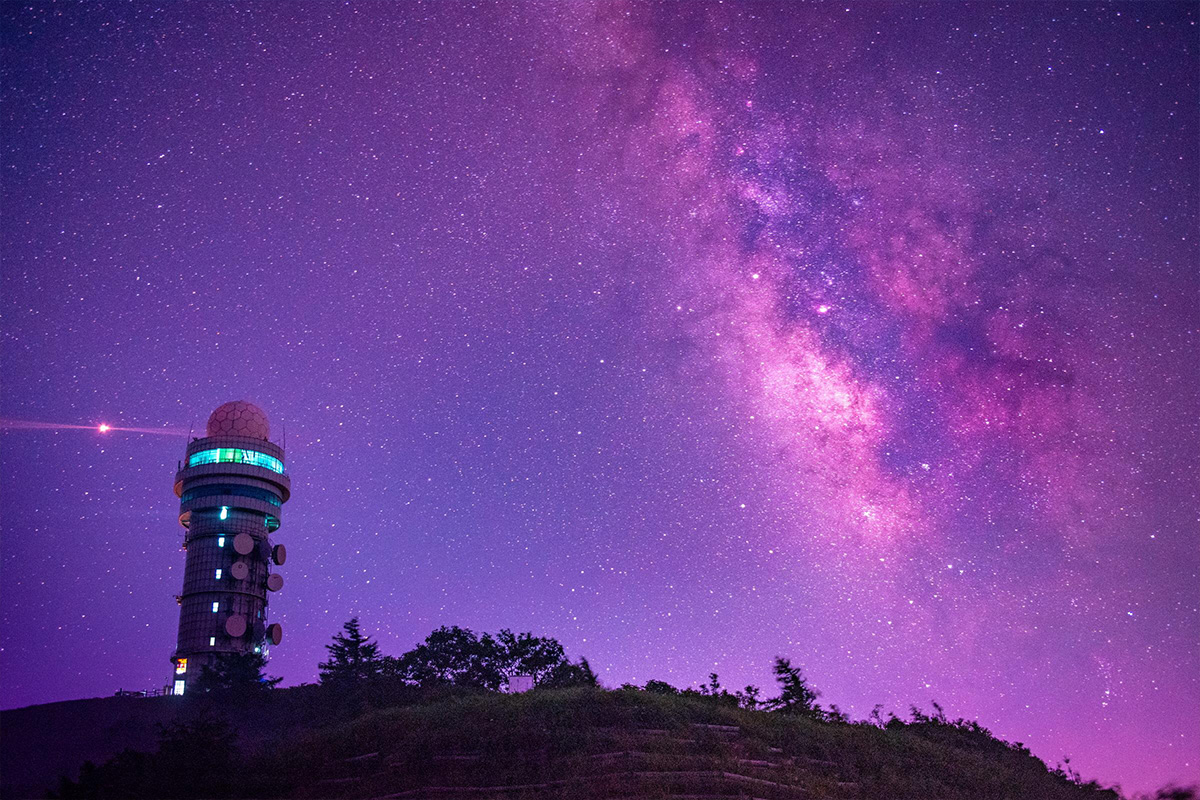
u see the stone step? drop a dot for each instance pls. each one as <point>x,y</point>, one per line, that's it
<point>710,780</point>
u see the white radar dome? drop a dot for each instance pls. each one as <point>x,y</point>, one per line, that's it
<point>239,418</point>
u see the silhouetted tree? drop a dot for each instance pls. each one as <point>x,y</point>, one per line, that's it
<point>1176,793</point>
<point>353,658</point>
<point>835,714</point>
<point>526,654</point>
<point>749,697</point>
<point>451,656</point>
<point>454,656</point>
<point>567,674</point>
<point>235,673</point>
<point>796,696</point>
<point>660,687</point>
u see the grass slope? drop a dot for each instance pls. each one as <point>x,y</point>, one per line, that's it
<point>573,743</point>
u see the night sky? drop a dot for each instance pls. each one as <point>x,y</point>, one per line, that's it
<point>688,334</point>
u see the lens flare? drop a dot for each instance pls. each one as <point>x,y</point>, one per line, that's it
<point>103,427</point>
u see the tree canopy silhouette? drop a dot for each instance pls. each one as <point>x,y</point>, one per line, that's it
<point>796,696</point>
<point>353,658</point>
<point>454,656</point>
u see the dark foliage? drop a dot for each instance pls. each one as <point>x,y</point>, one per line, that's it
<point>235,673</point>
<point>456,656</point>
<point>660,687</point>
<point>353,658</point>
<point>566,675</point>
<point>795,695</point>
<point>526,654</point>
<point>1176,793</point>
<point>451,656</point>
<point>194,759</point>
<point>749,698</point>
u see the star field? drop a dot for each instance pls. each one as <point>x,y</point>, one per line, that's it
<point>689,334</point>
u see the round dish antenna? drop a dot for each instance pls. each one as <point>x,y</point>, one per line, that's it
<point>274,581</point>
<point>279,554</point>
<point>243,543</point>
<point>239,570</point>
<point>235,626</point>
<point>275,632</point>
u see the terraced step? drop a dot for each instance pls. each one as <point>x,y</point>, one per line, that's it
<point>714,762</point>
<point>695,783</point>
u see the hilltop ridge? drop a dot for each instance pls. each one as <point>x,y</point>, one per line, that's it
<point>306,742</point>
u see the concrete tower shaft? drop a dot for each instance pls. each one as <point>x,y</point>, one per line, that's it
<point>231,488</point>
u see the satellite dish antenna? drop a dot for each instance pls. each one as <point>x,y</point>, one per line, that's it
<point>239,570</point>
<point>274,581</point>
<point>279,554</point>
<point>275,632</point>
<point>235,626</point>
<point>243,543</point>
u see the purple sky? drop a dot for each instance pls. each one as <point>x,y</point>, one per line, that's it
<point>688,334</point>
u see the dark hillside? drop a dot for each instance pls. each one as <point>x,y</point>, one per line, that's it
<point>578,743</point>
<point>38,743</point>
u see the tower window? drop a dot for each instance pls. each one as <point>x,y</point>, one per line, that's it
<point>179,687</point>
<point>180,666</point>
<point>236,456</point>
<point>224,512</point>
<point>220,541</point>
<point>218,573</point>
<point>216,606</point>
<point>212,641</point>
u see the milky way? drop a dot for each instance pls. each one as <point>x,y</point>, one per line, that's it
<point>690,334</point>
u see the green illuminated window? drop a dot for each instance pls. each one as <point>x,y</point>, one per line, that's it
<point>220,541</point>
<point>236,455</point>
<point>218,573</point>
<point>216,606</point>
